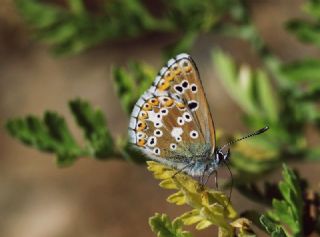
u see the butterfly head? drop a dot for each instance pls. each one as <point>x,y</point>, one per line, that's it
<point>221,155</point>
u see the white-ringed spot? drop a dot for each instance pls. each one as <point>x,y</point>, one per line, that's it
<point>158,124</point>
<point>193,105</point>
<point>185,84</point>
<point>180,121</point>
<point>173,146</point>
<point>178,89</point>
<point>187,117</point>
<point>158,133</point>
<point>156,151</point>
<point>164,111</point>
<point>152,141</point>
<point>194,134</point>
<point>194,88</point>
<point>179,139</point>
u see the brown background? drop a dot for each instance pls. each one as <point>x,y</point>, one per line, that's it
<point>111,198</point>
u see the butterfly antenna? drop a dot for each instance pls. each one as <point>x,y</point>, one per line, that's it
<point>261,130</point>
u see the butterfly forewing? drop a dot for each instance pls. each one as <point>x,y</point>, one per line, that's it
<point>172,121</point>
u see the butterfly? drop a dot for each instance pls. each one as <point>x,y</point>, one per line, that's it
<point>171,122</point>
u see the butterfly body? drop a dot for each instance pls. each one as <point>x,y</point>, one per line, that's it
<point>172,124</point>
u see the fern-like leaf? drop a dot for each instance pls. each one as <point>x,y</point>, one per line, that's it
<point>162,226</point>
<point>209,207</point>
<point>287,212</point>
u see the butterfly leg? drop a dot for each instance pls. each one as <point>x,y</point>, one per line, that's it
<point>183,168</point>
<point>216,179</point>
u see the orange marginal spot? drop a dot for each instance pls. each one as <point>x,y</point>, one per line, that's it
<point>163,85</point>
<point>154,101</point>
<point>180,106</point>
<point>188,68</point>
<point>167,102</point>
<point>143,115</point>
<point>176,69</point>
<point>147,107</point>
<point>141,125</point>
<point>168,76</point>
<point>141,142</point>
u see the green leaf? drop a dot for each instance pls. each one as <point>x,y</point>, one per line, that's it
<point>252,90</point>
<point>272,228</point>
<point>162,226</point>
<point>307,32</point>
<point>209,207</point>
<point>303,70</point>
<point>267,98</point>
<point>94,127</point>
<point>131,83</point>
<point>51,134</point>
<point>40,15</point>
<point>288,212</point>
<point>73,29</point>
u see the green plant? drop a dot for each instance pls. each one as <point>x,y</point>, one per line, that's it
<point>73,28</point>
<point>281,95</point>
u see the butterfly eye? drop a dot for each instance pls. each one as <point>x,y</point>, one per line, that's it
<point>141,125</point>
<point>147,107</point>
<point>163,85</point>
<point>194,134</point>
<point>143,115</point>
<point>153,101</point>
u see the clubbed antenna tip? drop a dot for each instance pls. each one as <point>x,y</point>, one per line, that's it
<point>261,130</point>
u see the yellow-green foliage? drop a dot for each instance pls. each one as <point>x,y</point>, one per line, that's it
<point>209,207</point>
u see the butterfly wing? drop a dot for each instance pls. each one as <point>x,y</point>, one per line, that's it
<point>171,122</point>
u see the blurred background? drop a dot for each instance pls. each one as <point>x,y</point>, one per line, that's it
<point>113,197</point>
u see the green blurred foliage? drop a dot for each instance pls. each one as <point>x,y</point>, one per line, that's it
<point>73,28</point>
<point>307,31</point>
<point>283,96</point>
<point>51,134</point>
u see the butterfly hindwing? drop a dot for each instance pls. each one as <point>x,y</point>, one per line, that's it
<point>171,121</point>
